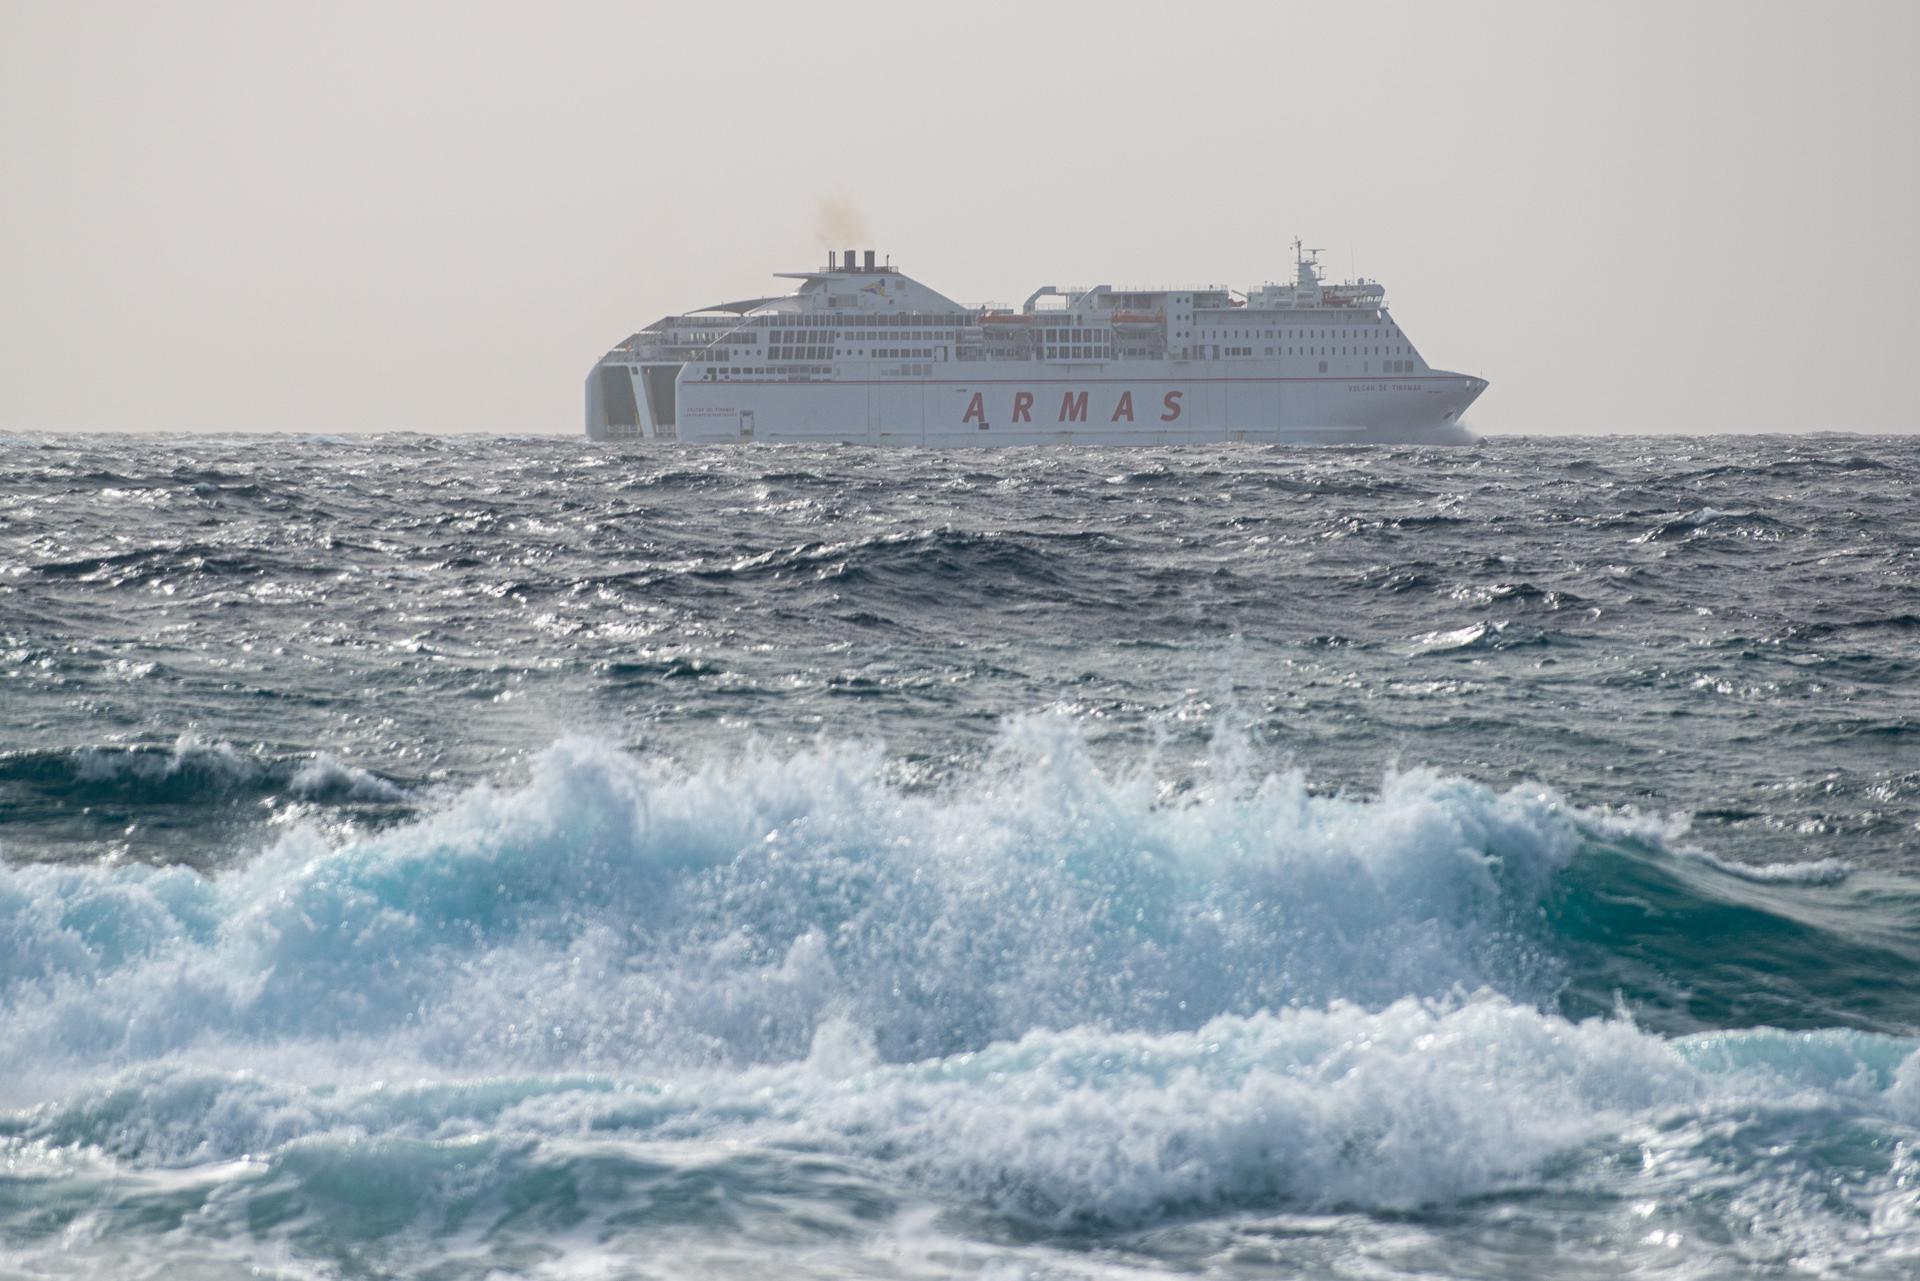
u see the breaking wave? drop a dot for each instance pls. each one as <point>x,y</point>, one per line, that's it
<point>610,911</point>
<point>189,772</point>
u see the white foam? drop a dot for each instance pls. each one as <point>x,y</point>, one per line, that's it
<point>612,914</point>
<point>1416,1104</point>
<point>609,909</point>
<point>1825,871</point>
<point>222,763</point>
<point>323,777</point>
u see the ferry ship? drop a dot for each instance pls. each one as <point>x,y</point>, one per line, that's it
<point>860,353</point>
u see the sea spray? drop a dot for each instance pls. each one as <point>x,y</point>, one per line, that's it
<point>610,910</point>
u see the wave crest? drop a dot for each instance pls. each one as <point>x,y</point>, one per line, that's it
<point>613,911</point>
<point>719,914</point>
<point>188,772</point>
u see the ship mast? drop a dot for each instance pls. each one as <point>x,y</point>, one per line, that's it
<point>1306,265</point>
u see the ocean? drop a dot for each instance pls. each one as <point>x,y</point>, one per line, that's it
<point>460,857</point>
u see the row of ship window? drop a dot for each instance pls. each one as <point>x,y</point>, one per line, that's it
<point>717,373</point>
<point>1074,352</point>
<point>880,320</point>
<point>1391,366</point>
<point>827,353</point>
<point>1293,333</point>
<point>779,338</point>
<point>777,332</point>
<point>1316,351</point>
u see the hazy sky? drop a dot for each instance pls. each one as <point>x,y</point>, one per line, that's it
<point>359,216</point>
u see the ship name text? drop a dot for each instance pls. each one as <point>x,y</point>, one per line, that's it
<point>1073,408</point>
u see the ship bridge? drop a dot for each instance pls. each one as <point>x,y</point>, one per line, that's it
<point>1309,290</point>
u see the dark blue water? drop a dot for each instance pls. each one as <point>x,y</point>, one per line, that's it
<point>488,858</point>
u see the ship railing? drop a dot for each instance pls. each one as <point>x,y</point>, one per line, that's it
<point>1169,289</point>
<point>1071,290</point>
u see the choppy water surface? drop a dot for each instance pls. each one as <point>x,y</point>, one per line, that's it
<point>488,858</point>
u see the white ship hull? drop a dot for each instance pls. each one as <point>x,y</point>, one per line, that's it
<point>1055,405</point>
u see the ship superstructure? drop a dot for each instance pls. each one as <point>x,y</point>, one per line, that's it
<point>860,353</point>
